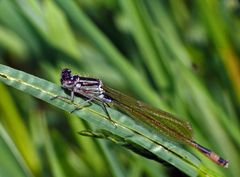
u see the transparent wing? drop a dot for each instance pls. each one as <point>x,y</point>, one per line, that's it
<point>162,121</point>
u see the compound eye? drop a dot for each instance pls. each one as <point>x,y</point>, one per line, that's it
<point>66,71</point>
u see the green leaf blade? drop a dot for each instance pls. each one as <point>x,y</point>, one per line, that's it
<point>127,128</point>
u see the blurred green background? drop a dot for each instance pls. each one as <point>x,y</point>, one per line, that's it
<point>181,56</point>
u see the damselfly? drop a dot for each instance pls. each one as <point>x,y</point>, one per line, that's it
<point>93,90</point>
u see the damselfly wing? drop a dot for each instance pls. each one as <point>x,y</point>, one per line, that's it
<point>163,122</point>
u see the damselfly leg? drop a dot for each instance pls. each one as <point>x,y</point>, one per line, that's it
<point>104,105</point>
<point>86,103</point>
<point>107,113</point>
<point>63,97</point>
<point>83,104</point>
<point>80,106</point>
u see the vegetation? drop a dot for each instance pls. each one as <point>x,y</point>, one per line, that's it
<point>179,56</point>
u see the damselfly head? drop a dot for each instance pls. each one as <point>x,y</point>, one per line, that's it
<point>67,79</point>
<point>66,74</point>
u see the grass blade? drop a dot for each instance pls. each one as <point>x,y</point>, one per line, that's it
<point>128,130</point>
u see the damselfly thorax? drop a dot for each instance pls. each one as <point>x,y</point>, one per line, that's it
<point>90,88</point>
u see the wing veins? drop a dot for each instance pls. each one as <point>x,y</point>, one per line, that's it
<point>157,118</point>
